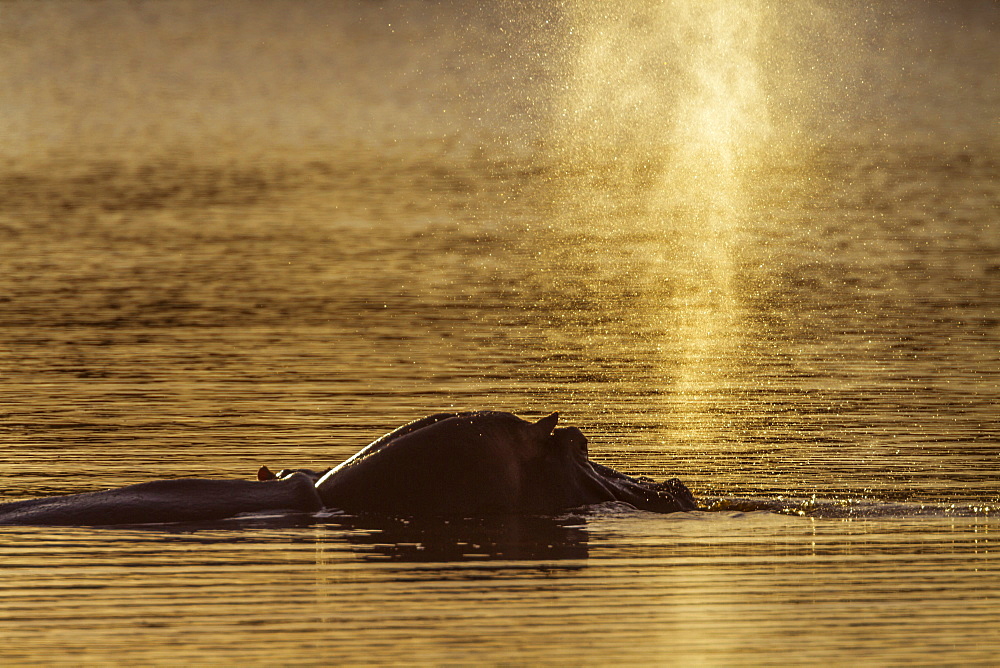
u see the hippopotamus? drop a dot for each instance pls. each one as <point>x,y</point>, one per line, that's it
<point>486,462</point>
<point>468,464</point>
<point>181,500</point>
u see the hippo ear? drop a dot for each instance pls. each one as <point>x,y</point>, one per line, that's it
<point>546,424</point>
<point>264,473</point>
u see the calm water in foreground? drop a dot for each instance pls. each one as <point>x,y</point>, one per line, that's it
<point>812,344</point>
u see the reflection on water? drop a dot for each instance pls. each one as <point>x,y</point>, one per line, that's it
<point>439,540</point>
<point>713,588</point>
<point>755,252</point>
<point>423,539</point>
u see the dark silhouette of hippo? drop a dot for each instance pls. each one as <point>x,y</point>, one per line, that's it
<point>466,464</point>
<point>183,500</point>
<point>486,462</point>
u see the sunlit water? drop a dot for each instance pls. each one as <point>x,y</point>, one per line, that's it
<point>267,233</point>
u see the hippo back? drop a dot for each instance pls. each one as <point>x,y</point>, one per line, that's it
<point>464,464</point>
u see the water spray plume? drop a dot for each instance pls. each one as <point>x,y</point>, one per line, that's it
<point>669,92</point>
<point>665,99</point>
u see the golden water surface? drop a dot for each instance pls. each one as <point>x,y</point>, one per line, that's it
<point>754,249</point>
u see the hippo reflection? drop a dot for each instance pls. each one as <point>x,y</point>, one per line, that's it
<point>465,464</point>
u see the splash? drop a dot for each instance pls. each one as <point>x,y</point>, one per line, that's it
<point>666,102</point>
<point>668,97</point>
<point>846,507</point>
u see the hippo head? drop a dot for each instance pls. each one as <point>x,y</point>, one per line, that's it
<point>564,467</point>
